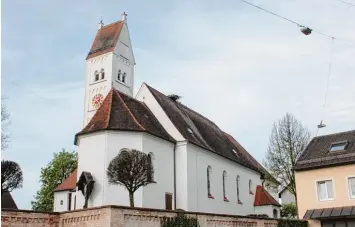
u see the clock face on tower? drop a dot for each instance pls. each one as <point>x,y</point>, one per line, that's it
<point>97,100</point>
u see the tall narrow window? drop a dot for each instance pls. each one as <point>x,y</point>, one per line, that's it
<point>102,74</point>
<point>275,213</point>
<point>151,171</point>
<point>224,186</point>
<point>352,187</point>
<point>119,75</point>
<point>96,76</point>
<point>238,182</point>
<point>124,77</point>
<point>209,172</point>
<point>251,187</point>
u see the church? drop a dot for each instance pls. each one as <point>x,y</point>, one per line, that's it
<point>197,166</point>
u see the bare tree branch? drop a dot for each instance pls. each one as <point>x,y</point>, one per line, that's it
<point>132,169</point>
<point>287,141</point>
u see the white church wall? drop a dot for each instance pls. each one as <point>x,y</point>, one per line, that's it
<point>116,141</point>
<point>163,162</point>
<point>181,176</point>
<point>144,95</point>
<point>91,151</point>
<point>60,197</point>
<point>198,160</point>
<point>268,210</point>
<point>101,86</point>
<point>272,188</point>
<point>287,197</point>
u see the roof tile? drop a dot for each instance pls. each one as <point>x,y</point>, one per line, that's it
<point>69,183</point>
<point>263,198</point>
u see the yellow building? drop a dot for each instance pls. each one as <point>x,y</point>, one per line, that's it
<point>325,181</point>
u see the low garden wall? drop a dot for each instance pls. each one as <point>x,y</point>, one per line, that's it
<point>119,216</point>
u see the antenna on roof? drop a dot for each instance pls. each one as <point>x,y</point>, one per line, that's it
<point>101,24</point>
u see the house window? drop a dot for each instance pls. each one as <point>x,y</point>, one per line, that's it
<point>61,202</point>
<point>238,182</point>
<point>325,190</point>
<point>124,77</point>
<point>96,76</point>
<point>151,170</point>
<point>338,146</point>
<point>119,75</point>
<point>351,181</point>
<point>224,186</point>
<point>251,187</point>
<point>209,172</point>
<point>102,74</point>
<point>275,213</point>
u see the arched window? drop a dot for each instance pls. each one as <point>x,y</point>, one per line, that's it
<point>209,172</point>
<point>275,213</point>
<point>150,170</point>
<point>238,182</point>
<point>96,76</point>
<point>102,74</point>
<point>251,187</point>
<point>224,185</point>
<point>124,77</point>
<point>119,75</point>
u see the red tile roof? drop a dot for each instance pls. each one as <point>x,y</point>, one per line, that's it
<point>106,39</point>
<point>124,113</point>
<point>69,183</point>
<point>263,198</point>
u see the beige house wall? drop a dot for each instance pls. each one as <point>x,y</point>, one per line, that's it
<point>306,187</point>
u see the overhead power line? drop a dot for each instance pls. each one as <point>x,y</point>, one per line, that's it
<point>298,24</point>
<point>347,3</point>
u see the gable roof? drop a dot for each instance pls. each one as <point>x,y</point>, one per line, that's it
<point>263,198</point>
<point>251,159</point>
<point>106,39</point>
<point>7,201</point>
<point>69,183</point>
<point>317,154</point>
<point>199,130</point>
<point>121,112</point>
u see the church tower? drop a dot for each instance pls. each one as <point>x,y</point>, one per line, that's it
<point>110,63</point>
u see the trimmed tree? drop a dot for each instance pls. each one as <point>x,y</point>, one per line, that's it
<point>56,171</point>
<point>131,169</point>
<point>287,141</point>
<point>11,176</point>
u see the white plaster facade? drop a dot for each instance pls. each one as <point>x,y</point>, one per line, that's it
<point>287,197</point>
<point>180,168</point>
<point>270,210</point>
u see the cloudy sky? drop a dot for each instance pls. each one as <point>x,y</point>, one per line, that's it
<point>241,67</point>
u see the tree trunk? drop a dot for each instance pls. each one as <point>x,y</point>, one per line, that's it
<point>131,199</point>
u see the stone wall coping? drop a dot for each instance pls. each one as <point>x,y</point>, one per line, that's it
<point>29,211</point>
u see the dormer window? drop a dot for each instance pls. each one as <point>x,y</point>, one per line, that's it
<point>102,74</point>
<point>124,77</point>
<point>119,75</point>
<point>96,75</point>
<point>338,146</point>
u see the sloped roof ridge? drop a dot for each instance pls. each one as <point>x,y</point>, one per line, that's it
<point>113,23</point>
<point>334,134</point>
<point>127,108</point>
<point>182,105</point>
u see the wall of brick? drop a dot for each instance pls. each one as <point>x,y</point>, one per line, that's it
<point>117,216</point>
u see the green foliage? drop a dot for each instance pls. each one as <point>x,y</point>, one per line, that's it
<point>289,210</point>
<point>56,171</point>
<point>181,220</point>
<point>291,223</point>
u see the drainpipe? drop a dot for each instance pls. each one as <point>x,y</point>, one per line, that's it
<point>175,145</point>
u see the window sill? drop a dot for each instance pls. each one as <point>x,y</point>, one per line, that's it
<point>239,202</point>
<point>210,196</point>
<point>123,83</point>
<point>327,200</point>
<point>99,81</point>
<point>225,199</point>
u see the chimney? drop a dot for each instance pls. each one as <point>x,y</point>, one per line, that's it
<point>124,16</point>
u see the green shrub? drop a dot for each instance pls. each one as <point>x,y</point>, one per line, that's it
<point>181,220</point>
<point>289,210</point>
<point>291,223</point>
